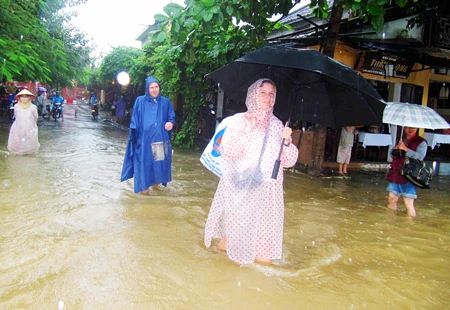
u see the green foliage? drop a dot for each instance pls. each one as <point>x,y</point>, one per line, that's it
<point>320,8</point>
<point>95,80</point>
<point>373,10</point>
<point>122,58</point>
<point>425,11</point>
<point>38,43</point>
<point>71,3</point>
<point>84,79</point>
<point>199,38</point>
<point>207,34</point>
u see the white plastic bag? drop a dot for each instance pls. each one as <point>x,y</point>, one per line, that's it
<point>212,157</point>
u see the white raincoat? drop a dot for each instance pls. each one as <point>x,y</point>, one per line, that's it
<point>23,135</point>
<point>248,207</point>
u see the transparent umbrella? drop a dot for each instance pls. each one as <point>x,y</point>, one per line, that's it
<point>413,115</point>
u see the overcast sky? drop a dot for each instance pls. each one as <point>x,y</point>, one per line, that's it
<point>117,23</point>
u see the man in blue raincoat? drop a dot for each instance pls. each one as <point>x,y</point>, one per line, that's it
<point>149,153</point>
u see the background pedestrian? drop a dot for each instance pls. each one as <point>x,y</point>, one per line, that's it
<point>23,135</point>
<point>413,146</point>
<point>149,151</point>
<point>345,147</point>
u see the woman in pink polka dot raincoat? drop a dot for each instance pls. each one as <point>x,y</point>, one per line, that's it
<point>247,212</point>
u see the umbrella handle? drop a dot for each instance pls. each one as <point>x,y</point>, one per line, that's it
<point>277,165</point>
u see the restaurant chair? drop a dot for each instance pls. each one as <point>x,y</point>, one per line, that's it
<point>383,153</point>
<point>359,152</point>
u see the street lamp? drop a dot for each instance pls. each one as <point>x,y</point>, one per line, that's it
<point>123,78</point>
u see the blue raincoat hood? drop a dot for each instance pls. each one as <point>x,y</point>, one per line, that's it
<point>148,81</point>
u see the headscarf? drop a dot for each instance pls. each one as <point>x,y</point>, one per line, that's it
<point>253,108</point>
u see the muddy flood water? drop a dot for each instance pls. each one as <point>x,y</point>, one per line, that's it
<point>72,233</point>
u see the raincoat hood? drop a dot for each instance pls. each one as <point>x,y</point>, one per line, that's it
<point>148,81</point>
<point>252,99</point>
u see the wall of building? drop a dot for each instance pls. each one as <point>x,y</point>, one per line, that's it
<point>418,75</point>
<point>349,56</point>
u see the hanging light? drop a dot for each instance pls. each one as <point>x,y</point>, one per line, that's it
<point>123,78</point>
<point>388,70</point>
<point>443,93</point>
<point>443,71</point>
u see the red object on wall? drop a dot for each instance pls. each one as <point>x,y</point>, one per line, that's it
<point>70,94</point>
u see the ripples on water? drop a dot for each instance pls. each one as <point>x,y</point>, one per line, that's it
<point>70,231</point>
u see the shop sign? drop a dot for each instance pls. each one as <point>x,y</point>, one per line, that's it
<point>376,63</point>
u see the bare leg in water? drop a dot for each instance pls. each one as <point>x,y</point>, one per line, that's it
<point>222,246</point>
<point>409,204</point>
<point>147,191</point>
<point>392,201</point>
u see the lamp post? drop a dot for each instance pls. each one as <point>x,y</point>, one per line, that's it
<point>123,78</point>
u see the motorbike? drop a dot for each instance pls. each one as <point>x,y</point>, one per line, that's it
<point>57,110</point>
<point>11,109</point>
<point>47,108</point>
<point>43,110</point>
<point>94,110</point>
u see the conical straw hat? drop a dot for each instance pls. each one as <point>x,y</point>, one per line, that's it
<point>25,92</point>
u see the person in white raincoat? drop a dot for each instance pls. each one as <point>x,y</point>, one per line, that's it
<point>247,212</point>
<point>23,135</point>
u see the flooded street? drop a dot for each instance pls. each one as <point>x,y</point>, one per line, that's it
<point>72,232</point>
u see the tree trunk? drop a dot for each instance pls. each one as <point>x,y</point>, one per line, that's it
<point>315,165</point>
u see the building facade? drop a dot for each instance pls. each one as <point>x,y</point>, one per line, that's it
<point>404,65</point>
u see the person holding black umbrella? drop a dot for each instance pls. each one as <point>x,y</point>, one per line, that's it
<point>247,212</point>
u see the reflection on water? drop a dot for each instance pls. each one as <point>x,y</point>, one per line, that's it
<point>71,232</point>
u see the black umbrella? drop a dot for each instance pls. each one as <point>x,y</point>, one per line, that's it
<point>311,87</point>
<point>322,90</point>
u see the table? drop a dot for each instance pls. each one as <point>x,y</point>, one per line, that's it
<point>377,142</point>
<point>374,139</point>
<point>434,139</point>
